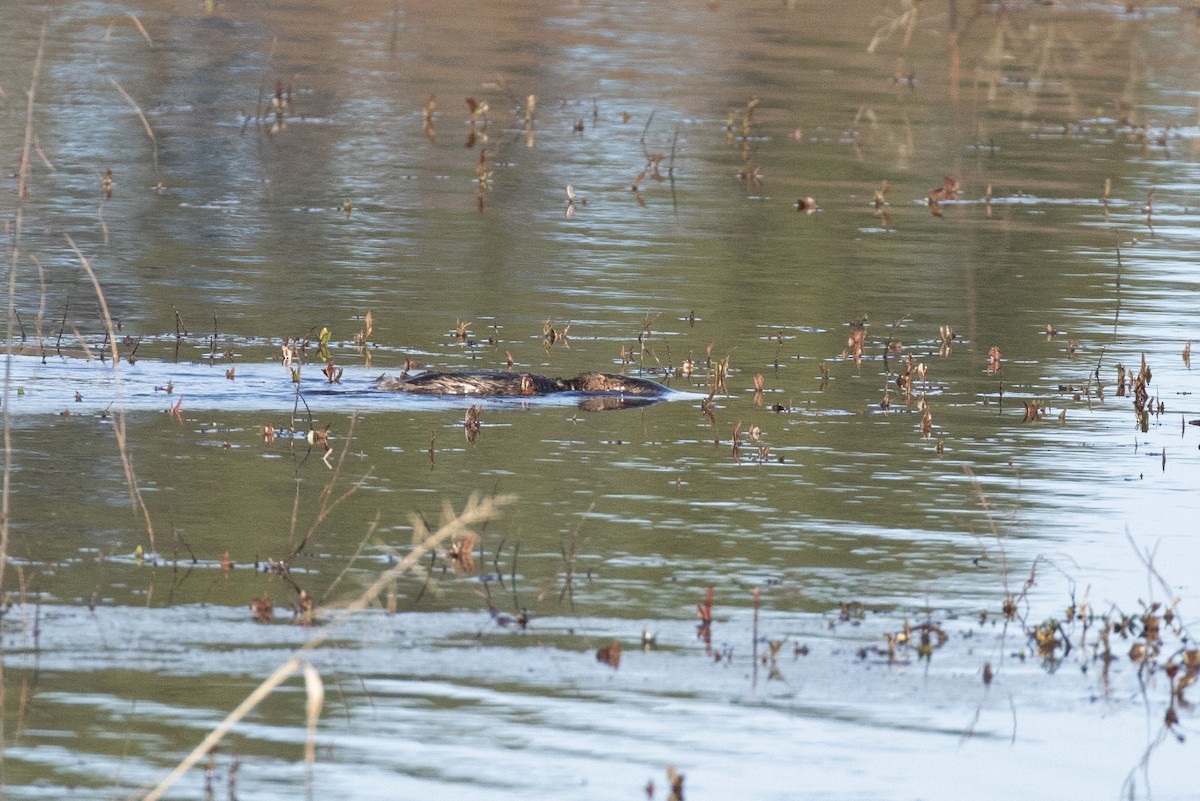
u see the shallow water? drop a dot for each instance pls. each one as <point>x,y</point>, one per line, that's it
<point>849,522</point>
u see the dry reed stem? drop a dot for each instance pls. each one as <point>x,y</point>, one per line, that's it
<point>314,690</point>
<point>118,420</point>
<point>23,169</point>
<point>475,511</point>
<point>145,123</point>
<point>141,28</point>
<point>41,315</point>
<point>22,178</point>
<point>354,558</point>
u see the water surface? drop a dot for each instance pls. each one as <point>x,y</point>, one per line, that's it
<point>228,236</point>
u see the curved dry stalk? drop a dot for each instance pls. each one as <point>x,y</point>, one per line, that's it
<point>475,511</point>
<point>135,494</point>
<point>145,122</point>
<point>141,28</point>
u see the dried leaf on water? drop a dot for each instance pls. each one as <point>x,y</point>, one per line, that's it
<point>262,609</point>
<point>461,552</point>
<point>993,360</point>
<point>610,654</point>
<point>854,343</point>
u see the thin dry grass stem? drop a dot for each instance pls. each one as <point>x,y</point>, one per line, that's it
<point>145,124</point>
<point>22,178</point>
<point>475,511</point>
<point>141,29</point>
<point>1117,312</point>
<point>118,420</point>
<point>354,558</point>
<point>41,315</point>
<point>325,505</point>
<point>1010,601</point>
<point>314,701</point>
<point>22,193</point>
<point>23,169</point>
<point>570,554</point>
<point>281,674</point>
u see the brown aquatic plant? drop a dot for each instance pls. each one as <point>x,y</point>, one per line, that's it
<point>360,339</point>
<point>610,654</point>
<point>461,551</point>
<point>550,335</point>
<point>904,380</point>
<point>478,109</point>
<point>427,110</point>
<point>1049,638</point>
<point>704,611</point>
<point>471,424</point>
<point>319,437</point>
<point>262,609</point>
<point>675,782</point>
<point>947,335</point>
<point>854,342</point>
<point>994,360</point>
<point>1142,405</point>
<point>880,204</point>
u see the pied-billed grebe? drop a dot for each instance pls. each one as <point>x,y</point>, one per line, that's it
<point>492,383</point>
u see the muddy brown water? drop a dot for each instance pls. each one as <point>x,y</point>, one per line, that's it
<point>115,666</point>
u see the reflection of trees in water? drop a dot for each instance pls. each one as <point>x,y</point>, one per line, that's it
<point>1028,60</point>
<point>1035,63</point>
